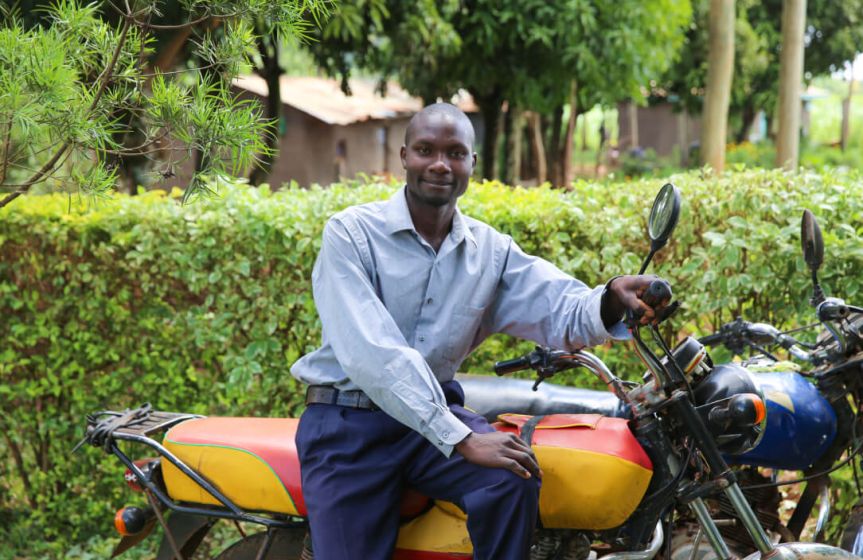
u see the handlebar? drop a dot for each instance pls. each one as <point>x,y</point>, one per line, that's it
<point>739,334</point>
<point>509,366</point>
<point>712,339</point>
<point>656,293</point>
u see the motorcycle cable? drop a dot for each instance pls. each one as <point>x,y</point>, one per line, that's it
<point>798,329</point>
<point>685,466</point>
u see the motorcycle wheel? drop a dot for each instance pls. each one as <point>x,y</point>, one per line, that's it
<point>852,535</point>
<point>287,545</point>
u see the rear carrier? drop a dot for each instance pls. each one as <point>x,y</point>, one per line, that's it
<point>184,479</point>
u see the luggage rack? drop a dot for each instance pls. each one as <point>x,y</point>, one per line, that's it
<point>137,425</point>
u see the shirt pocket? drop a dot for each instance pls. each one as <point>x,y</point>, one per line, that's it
<point>463,329</point>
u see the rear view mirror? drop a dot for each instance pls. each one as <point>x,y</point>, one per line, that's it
<point>663,216</point>
<point>813,244</point>
<point>662,220</point>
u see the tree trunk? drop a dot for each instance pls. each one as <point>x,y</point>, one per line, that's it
<point>790,83</point>
<point>537,148</point>
<point>489,107</point>
<point>634,141</point>
<point>555,165</point>
<point>513,145</point>
<point>506,120</point>
<point>747,116</point>
<point>566,156</point>
<point>720,72</point>
<point>268,47</point>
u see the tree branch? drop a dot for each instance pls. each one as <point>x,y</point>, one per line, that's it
<point>104,78</point>
<point>6,141</point>
<point>22,469</point>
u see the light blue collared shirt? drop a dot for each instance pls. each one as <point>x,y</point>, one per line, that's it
<point>398,318</point>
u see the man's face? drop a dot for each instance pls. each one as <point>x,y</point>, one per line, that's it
<point>438,159</point>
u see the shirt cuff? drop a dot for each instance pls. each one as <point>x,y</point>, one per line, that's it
<point>617,331</point>
<point>445,431</point>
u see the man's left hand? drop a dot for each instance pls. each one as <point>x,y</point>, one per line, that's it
<point>628,293</point>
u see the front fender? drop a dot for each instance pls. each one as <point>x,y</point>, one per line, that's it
<point>188,532</point>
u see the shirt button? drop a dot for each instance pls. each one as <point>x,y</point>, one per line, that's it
<point>445,434</point>
<point>429,301</point>
<point>422,339</point>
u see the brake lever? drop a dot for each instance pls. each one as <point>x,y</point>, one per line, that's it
<point>548,367</point>
<point>633,318</point>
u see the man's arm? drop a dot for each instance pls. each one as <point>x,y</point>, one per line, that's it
<point>370,347</point>
<point>538,301</point>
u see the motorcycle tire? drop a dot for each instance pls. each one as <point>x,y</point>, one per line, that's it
<point>852,535</point>
<point>287,545</point>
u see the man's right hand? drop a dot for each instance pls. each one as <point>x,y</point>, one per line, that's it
<point>500,450</point>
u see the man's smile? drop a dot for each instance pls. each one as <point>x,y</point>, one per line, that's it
<point>438,184</point>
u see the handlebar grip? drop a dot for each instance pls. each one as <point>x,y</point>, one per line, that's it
<point>656,293</point>
<point>712,339</point>
<point>509,366</point>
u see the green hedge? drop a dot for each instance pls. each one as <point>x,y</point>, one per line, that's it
<point>203,307</point>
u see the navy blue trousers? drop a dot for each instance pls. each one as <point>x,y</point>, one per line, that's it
<point>355,464</point>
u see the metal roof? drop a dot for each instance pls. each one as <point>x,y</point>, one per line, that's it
<point>322,98</point>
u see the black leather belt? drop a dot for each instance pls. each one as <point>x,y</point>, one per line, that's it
<point>324,394</point>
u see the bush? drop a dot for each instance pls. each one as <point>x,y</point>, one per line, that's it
<point>203,308</point>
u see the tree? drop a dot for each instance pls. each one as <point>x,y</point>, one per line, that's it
<point>75,86</point>
<point>554,59</point>
<point>833,35</point>
<point>790,83</point>
<point>720,68</point>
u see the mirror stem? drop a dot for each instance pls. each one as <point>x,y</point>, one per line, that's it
<point>647,261</point>
<point>817,292</point>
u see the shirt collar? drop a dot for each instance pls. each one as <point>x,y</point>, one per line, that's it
<point>398,218</point>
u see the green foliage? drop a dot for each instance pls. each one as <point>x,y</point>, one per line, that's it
<point>763,154</point>
<point>204,307</point>
<point>834,32</point>
<point>525,52</point>
<point>78,98</point>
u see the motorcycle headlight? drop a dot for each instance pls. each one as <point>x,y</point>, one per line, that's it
<point>732,407</point>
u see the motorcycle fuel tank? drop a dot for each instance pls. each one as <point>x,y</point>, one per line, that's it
<point>801,424</point>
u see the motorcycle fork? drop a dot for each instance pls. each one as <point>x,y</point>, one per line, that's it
<point>719,467</point>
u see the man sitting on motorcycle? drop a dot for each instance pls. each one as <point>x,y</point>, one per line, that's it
<point>406,289</point>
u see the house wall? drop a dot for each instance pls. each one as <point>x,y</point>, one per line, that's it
<point>314,152</point>
<point>306,151</point>
<point>659,128</point>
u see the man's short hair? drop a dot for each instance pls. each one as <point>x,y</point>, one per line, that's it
<point>446,110</point>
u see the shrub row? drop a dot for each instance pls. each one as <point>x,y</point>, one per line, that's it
<point>203,307</point>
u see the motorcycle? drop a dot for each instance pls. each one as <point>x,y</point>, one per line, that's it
<point>666,455</point>
<point>811,422</point>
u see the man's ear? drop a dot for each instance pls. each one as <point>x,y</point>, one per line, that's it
<point>473,157</point>
<point>403,153</point>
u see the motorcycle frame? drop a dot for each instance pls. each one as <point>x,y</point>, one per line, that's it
<point>155,493</point>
